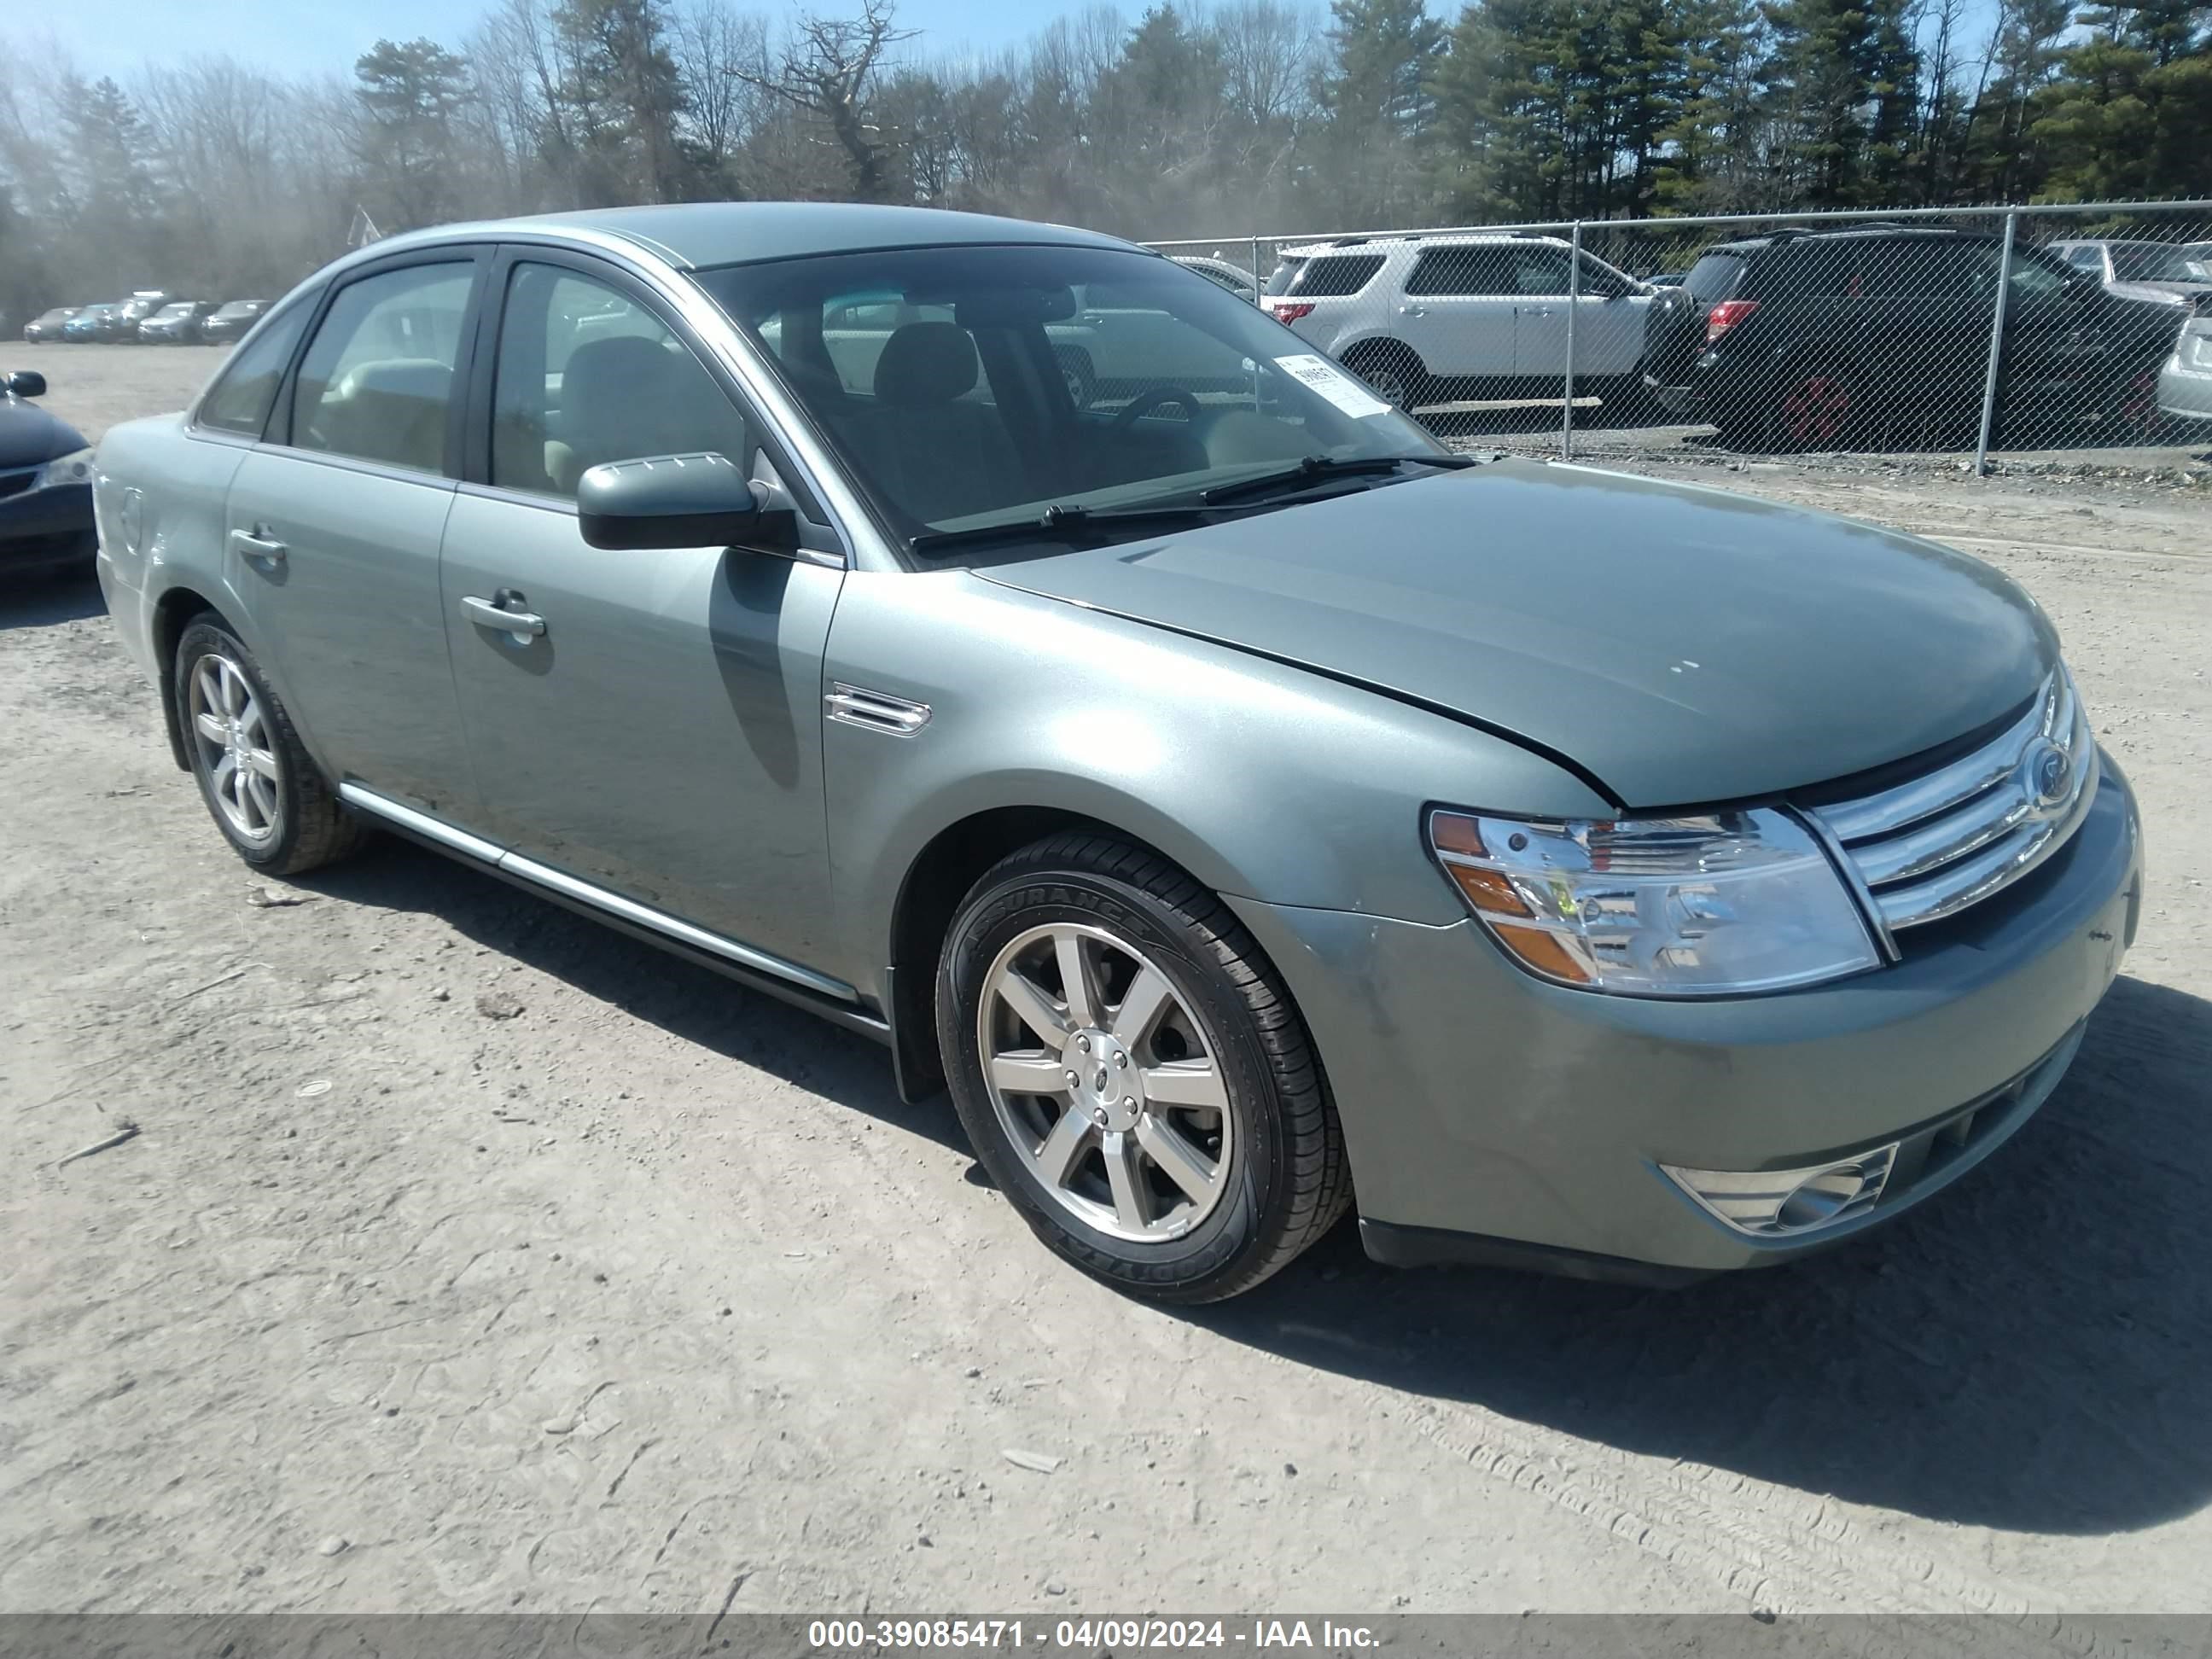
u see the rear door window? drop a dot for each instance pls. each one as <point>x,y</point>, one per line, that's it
<point>1475,268</point>
<point>377,381</point>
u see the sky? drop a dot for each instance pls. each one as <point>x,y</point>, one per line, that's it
<point>309,36</point>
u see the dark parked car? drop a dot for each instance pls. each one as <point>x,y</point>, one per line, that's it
<point>230,321</point>
<point>46,326</point>
<point>46,481</point>
<point>115,319</point>
<point>177,323</point>
<point>88,322</point>
<point>1875,337</point>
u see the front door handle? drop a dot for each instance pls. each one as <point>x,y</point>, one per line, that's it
<point>1540,311</point>
<point>504,611</point>
<point>259,544</point>
<point>1412,311</point>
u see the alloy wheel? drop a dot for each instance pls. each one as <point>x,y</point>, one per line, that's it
<point>1106,1081</point>
<point>1815,409</point>
<point>231,733</point>
<point>1389,382</point>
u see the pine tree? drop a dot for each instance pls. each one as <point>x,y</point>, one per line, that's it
<point>410,94</point>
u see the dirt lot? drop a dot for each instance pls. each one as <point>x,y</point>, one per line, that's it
<point>653,1296</point>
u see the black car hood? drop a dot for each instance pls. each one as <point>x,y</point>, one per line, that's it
<point>28,435</point>
<point>1681,644</point>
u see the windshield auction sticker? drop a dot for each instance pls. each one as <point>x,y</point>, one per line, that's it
<point>1334,383</point>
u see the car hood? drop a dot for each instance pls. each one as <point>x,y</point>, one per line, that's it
<point>1679,644</point>
<point>28,435</point>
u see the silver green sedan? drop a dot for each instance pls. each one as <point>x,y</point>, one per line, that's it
<point>1249,809</point>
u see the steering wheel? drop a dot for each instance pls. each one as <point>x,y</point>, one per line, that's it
<point>1145,402</point>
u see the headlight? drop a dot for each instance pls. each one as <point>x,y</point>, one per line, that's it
<point>1718,904</point>
<point>74,468</point>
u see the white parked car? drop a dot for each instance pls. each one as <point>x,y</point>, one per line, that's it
<point>1233,276</point>
<point>2185,385</point>
<point>1420,316</point>
<point>2132,270</point>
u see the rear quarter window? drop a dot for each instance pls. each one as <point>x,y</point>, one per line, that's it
<point>1332,276</point>
<point>1716,277</point>
<point>239,400</point>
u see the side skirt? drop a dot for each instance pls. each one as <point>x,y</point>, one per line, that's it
<point>787,982</point>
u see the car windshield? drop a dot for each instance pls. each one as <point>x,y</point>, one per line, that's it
<point>182,309</point>
<point>239,308</point>
<point>973,387</point>
<point>2152,262</point>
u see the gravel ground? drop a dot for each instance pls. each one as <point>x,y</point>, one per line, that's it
<point>652,1296</point>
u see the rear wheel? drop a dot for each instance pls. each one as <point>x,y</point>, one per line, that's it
<point>1133,1075</point>
<point>1394,372</point>
<point>1813,408</point>
<point>260,785</point>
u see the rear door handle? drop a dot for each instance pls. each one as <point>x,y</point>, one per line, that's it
<point>1412,311</point>
<point>495,613</point>
<point>259,544</point>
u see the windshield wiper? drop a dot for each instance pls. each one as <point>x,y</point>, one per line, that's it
<point>1315,468</point>
<point>1067,523</point>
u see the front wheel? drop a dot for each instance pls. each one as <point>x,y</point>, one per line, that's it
<point>1132,1074</point>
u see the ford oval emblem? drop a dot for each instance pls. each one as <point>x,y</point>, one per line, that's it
<point>2046,775</point>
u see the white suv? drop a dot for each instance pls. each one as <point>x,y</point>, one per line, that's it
<point>1410,314</point>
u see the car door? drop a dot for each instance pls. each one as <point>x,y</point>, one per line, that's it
<point>333,526</point>
<point>1456,310</point>
<point>650,724</point>
<point>1540,311</point>
<point>1608,318</point>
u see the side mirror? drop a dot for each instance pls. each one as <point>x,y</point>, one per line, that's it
<point>680,500</point>
<point>26,383</point>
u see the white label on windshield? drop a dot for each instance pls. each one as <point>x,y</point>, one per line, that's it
<point>1333,383</point>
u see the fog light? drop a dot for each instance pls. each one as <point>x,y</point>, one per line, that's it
<point>1789,1203</point>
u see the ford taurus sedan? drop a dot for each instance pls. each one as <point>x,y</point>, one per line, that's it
<point>1251,809</point>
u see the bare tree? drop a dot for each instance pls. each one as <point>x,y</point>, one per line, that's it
<point>828,70</point>
<point>726,109</point>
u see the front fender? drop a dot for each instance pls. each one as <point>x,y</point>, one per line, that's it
<point>1262,780</point>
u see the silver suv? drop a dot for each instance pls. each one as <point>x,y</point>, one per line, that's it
<point>1423,320</point>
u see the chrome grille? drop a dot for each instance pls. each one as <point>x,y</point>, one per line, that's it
<point>1930,847</point>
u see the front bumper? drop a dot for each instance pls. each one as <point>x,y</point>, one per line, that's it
<point>45,527</point>
<point>1491,1116</point>
<point>1675,399</point>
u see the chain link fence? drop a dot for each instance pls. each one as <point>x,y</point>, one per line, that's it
<point>1788,333</point>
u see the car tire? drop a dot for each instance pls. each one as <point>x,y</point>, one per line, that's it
<point>1394,373</point>
<point>1814,406</point>
<point>1212,1154</point>
<point>265,792</point>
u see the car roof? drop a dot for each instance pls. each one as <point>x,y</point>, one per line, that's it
<point>1744,245</point>
<point>700,235</point>
<point>1440,239</point>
